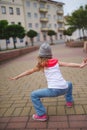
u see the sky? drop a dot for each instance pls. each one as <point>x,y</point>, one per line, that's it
<point>71,5</point>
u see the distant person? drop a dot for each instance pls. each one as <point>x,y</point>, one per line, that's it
<point>57,85</point>
<point>26,43</point>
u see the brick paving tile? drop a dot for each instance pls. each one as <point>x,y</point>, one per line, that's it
<point>4,119</point>
<point>3,125</point>
<point>78,124</point>
<point>17,129</point>
<point>74,122</point>
<point>58,118</point>
<point>58,124</point>
<point>15,104</point>
<point>70,129</point>
<point>16,125</point>
<point>78,118</point>
<point>19,119</point>
<point>36,125</point>
<point>9,112</point>
<point>47,129</point>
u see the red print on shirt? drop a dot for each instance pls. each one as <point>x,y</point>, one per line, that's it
<point>52,62</point>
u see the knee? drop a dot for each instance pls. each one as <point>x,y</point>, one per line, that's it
<point>32,95</point>
<point>70,84</point>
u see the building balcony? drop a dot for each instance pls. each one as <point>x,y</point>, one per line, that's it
<point>44,19</point>
<point>44,10</point>
<point>60,12</point>
<point>60,21</point>
<point>43,0</point>
<point>44,29</point>
<point>61,29</point>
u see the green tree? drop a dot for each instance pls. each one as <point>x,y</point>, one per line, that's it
<point>31,34</point>
<point>78,19</point>
<point>51,33</point>
<point>15,31</point>
<point>86,17</point>
<point>3,25</point>
<point>67,32</point>
<point>3,34</point>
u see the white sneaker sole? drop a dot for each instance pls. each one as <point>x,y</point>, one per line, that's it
<point>38,119</point>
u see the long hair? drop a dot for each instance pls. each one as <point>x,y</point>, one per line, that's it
<point>42,62</point>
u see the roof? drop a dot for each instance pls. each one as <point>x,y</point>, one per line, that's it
<point>56,2</point>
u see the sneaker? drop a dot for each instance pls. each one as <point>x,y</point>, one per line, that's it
<point>39,118</point>
<point>69,104</point>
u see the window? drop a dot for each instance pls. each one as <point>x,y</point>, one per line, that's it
<point>60,25</point>
<point>60,17</point>
<point>35,5</point>
<point>42,15</point>
<point>27,3</point>
<point>49,26</point>
<point>49,16</point>
<point>29,14</point>
<point>10,10</point>
<point>60,8</point>
<point>19,23</point>
<point>43,25</point>
<point>38,37</point>
<point>55,25</point>
<point>35,15</point>
<point>30,25</point>
<point>42,5</point>
<point>12,22</point>
<point>54,16</point>
<point>18,11</point>
<point>21,40</point>
<point>36,25</point>
<point>7,41</point>
<point>3,8</point>
<point>48,6</point>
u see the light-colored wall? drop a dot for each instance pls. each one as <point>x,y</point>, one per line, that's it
<point>25,19</point>
<point>12,17</point>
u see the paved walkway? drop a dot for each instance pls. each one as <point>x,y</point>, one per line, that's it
<point>15,104</point>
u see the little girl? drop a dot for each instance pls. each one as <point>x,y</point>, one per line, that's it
<point>57,85</point>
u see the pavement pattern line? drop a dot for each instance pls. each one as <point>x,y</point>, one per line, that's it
<point>16,107</point>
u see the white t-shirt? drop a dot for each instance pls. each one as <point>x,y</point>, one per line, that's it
<point>54,76</point>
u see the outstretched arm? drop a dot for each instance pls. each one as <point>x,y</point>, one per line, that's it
<point>28,72</point>
<point>65,64</point>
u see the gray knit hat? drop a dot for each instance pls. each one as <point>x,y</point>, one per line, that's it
<point>45,51</point>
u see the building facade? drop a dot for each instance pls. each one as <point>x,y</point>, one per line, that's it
<point>12,11</point>
<point>42,15</point>
<point>38,15</point>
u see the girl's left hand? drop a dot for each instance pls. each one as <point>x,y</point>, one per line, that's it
<point>83,64</point>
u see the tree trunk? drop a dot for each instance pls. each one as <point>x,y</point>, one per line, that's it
<point>51,39</point>
<point>83,32</point>
<point>79,33</point>
<point>14,41</point>
<point>0,46</point>
<point>32,41</point>
<point>6,46</point>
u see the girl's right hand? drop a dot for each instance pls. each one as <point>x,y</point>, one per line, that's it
<point>83,64</point>
<point>85,60</point>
